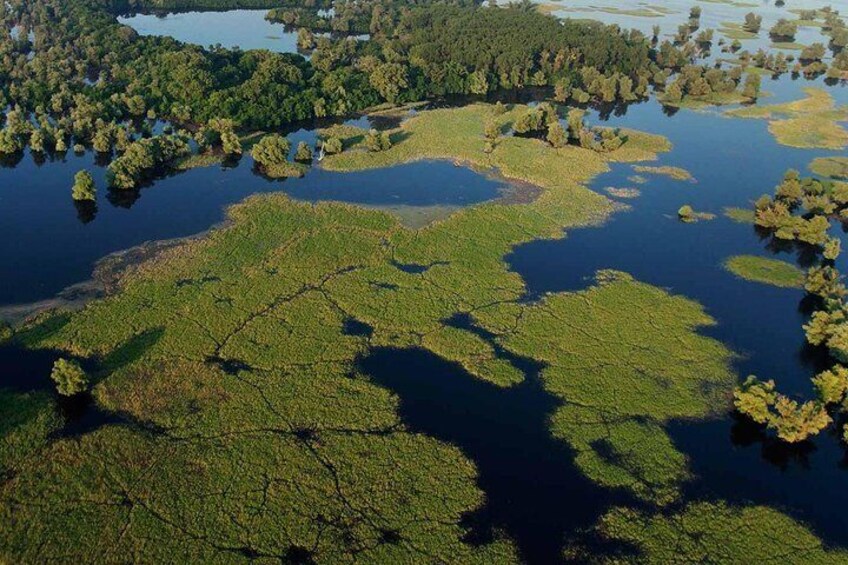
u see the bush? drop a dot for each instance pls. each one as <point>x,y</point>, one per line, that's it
<point>69,377</point>
<point>271,150</point>
<point>303,153</point>
<point>83,188</point>
<point>377,141</point>
<point>332,145</point>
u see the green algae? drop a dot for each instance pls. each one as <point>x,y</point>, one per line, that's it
<point>716,532</point>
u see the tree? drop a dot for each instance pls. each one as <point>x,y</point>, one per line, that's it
<point>389,79</point>
<point>831,385</point>
<point>271,150</point>
<point>84,188</point>
<point>794,423</point>
<point>753,22</point>
<point>557,136</point>
<point>752,86</point>
<point>575,123</point>
<point>305,39</point>
<point>686,213</point>
<point>811,53</point>
<point>332,145</point>
<point>230,143</point>
<point>825,282</point>
<point>69,377</point>
<point>377,141</point>
<point>832,249</point>
<point>303,153</point>
<point>784,30</point>
<point>673,93</point>
<point>754,398</point>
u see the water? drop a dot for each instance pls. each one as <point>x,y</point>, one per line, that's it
<point>246,29</point>
<point>47,243</point>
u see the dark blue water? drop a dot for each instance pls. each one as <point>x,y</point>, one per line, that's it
<point>47,243</point>
<point>734,161</point>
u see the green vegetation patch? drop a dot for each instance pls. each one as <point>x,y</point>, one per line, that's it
<point>623,192</point>
<point>717,532</point>
<point>677,173</point>
<point>765,270</point>
<point>734,30</point>
<point>739,215</point>
<point>608,355</point>
<point>813,122</point>
<point>831,167</point>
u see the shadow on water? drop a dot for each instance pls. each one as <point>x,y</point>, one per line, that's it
<point>534,492</point>
<point>24,370</point>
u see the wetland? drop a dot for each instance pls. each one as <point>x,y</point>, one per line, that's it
<point>455,347</point>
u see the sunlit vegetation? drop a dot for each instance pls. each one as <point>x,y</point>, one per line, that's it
<point>84,188</point>
<point>69,377</point>
<point>765,270</point>
<point>717,532</point>
<point>801,211</point>
<point>458,134</point>
<point>830,167</point>
<point>271,154</point>
<point>689,215</point>
<point>256,435</point>
<point>740,215</point>
<point>144,158</point>
<point>617,391</point>
<point>813,122</point>
<point>677,173</point>
<point>733,30</point>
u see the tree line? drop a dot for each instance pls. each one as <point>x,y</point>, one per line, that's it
<point>801,211</point>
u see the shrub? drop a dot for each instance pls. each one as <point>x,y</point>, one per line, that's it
<point>69,377</point>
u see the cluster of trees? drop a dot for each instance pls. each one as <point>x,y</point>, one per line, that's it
<point>801,210</point>
<point>753,22</point>
<point>144,158</point>
<point>271,155</point>
<point>377,140</point>
<point>219,133</point>
<point>83,66</point>
<point>784,30</point>
<point>543,120</point>
<point>695,81</point>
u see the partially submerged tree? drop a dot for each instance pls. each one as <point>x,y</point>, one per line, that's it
<point>84,188</point>
<point>271,150</point>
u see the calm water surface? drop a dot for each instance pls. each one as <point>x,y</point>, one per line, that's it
<point>246,29</point>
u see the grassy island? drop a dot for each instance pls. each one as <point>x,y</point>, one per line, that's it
<point>765,270</point>
<point>813,122</point>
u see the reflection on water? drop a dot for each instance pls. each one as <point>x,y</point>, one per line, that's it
<point>58,241</point>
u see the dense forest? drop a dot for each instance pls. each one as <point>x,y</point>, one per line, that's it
<point>72,73</point>
<point>82,66</point>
